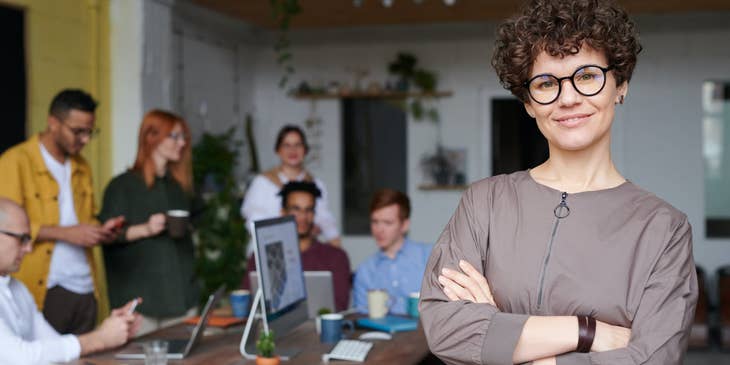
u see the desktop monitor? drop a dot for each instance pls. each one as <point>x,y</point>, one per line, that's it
<point>280,275</point>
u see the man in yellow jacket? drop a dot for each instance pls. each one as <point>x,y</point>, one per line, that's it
<point>49,178</point>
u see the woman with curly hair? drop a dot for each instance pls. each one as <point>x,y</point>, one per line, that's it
<point>568,262</point>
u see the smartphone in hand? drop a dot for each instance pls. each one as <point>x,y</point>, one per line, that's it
<point>134,306</point>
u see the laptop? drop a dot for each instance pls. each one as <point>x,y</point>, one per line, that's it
<point>180,348</point>
<point>319,287</point>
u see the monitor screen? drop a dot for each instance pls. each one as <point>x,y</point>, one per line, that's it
<point>280,264</point>
<point>281,282</point>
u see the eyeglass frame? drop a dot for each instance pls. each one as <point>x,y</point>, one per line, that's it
<point>25,238</point>
<point>177,136</point>
<point>80,132</point>
<point>294,210</point>
<point>605,70</point>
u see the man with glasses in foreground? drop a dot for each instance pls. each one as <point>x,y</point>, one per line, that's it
<point>47,176</point>
<point>25,336</point>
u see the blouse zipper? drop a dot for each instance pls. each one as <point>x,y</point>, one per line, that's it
<point>561,211</point>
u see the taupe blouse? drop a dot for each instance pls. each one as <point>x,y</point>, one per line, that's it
<point>621,255</point>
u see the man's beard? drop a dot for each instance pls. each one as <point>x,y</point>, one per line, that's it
<point>307,233</point>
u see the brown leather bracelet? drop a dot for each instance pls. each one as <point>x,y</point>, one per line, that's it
<point>586,333</point>
<point>591,333</point>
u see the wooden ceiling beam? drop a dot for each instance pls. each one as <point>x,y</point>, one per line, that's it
<point>342,13</point>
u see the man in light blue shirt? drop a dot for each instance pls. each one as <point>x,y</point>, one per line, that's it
<point>399,264</point>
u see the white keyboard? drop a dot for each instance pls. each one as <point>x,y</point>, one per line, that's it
<point>351,350</point>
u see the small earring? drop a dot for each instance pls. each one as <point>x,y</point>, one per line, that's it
<point>621,99</point>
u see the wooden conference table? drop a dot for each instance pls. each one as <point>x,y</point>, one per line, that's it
<point>223,348</point>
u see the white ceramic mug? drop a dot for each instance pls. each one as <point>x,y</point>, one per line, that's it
<point>377,303</point>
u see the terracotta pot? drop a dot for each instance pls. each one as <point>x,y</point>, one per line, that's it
<point>268,360</point>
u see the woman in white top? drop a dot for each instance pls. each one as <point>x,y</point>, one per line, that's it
<point>262,200</point>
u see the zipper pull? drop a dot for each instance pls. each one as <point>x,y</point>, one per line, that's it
<point>562,210</point>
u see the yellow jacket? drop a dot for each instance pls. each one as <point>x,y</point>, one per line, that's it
<point>27,181</point>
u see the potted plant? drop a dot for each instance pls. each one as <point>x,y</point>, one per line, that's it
<point>437,167</point>
<point>220,236</point>
<point>265,347</point>
<point>318,321</point>
<point>404,66</point>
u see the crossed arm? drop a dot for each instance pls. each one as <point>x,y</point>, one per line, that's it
<point>543,337</point>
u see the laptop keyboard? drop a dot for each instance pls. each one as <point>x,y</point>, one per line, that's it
<point>351,350</point>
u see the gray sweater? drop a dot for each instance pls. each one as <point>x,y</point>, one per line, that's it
<point>621,255</point>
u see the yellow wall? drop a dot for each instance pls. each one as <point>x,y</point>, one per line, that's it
<point>67,45</point>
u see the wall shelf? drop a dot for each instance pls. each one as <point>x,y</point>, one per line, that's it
<point>378,95</point>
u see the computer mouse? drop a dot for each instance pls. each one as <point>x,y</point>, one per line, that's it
<point>375,336</point>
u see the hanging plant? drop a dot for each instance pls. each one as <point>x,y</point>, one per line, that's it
<point>283,11</point>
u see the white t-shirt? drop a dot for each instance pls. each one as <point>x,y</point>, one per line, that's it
<point>69,266</point>
<point>25,336</point>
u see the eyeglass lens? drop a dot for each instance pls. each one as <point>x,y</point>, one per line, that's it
<point>24,238</point>
<point>177,136</point>
<point>587,80</point>
<point>83,132</point>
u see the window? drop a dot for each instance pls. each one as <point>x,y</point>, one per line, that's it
<point>374,143</point>
<point>517,144</point>
<point>716,153</point>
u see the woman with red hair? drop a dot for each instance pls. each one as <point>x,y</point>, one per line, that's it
<point>146,261</point>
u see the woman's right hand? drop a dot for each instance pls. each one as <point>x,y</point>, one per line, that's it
<point>156,224</point>
<point>609,337</point>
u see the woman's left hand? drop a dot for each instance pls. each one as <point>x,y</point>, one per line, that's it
<point>468,285</point>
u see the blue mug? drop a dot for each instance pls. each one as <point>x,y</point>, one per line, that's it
<point>240,300</point>
<point>332,327</point>
<point>413,304</point>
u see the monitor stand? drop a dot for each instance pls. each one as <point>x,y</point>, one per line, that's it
<point>248,343</point>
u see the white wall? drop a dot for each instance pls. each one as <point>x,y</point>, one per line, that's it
<point>663,116</point>
<point>212,84</point>
<point>126,42</point>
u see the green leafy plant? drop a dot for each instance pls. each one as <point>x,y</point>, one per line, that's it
<point>323,310</point>
<point>404,66</point>
<point>283,11</point>
<point>220,236</point>
<point>265,344</point>
<point>425,80</point>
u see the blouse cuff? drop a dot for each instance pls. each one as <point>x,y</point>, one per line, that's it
<point>71,347</point>
<point>501,338</point>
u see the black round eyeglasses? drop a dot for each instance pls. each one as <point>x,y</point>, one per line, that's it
<point>587,80</point>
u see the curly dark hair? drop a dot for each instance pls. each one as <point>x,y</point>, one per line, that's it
<point>560,28</point>
<point>296,186</point>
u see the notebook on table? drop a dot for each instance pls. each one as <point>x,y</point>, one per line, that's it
<point>390,324</point>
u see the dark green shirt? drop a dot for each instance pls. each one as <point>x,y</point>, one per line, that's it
<point>159,269</point>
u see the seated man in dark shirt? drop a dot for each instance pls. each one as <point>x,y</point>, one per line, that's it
<point>298,199</point>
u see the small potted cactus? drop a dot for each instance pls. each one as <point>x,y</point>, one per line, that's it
<point>265,347</point>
